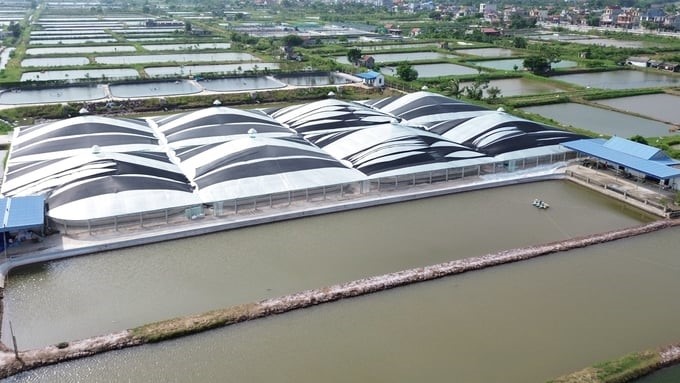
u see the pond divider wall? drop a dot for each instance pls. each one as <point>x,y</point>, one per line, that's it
<point>173,328</point>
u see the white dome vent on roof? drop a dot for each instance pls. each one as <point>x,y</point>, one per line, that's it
<point>252,132</point>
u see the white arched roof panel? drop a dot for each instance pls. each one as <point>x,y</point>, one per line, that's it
<point>278,183</point>
<point>122,203</point>
<point>130,126</point>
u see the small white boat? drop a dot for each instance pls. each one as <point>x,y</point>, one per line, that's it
<point>540,204</point>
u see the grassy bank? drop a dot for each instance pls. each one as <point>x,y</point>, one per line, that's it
<point>626,368</point>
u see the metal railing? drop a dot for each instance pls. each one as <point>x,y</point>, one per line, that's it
<point>338,192</point>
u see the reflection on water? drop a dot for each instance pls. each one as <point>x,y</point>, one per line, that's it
<point>433,70</point>
<point>523,322</point>
<point>667,375</point>
<point>621,79</point>
<point>510,64</point>
<point>115,290</point>
<point>519,87</point>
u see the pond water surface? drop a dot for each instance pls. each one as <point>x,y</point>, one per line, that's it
<point>601,121</point>
<point>667,375</point>
<point>520,87</point>
<point>90,49</point>
<point>664,107</point>
<point>62,94</point>
<point>488,52</point>
<point>433,70</point>
<point>396,57</point>
<point>241,83</point>
<point>177,57</point>
<point>216,68</point>
<point>4,57</point>
<point>509,64</point>
<point>186,47</point>
<point>55,61</point>
<point>72,41</point>
<point>621,79</point>
<point>153,89</point>
<point>79,74</point>
<point>524,322</point>
<point>115,290</point>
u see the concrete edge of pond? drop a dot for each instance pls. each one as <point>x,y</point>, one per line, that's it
<point>11,363</point>
<point>627,368</point>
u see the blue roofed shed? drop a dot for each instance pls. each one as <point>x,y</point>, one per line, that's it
<point>644,159</point>
<point>21,213</point>
<point>372,78</point>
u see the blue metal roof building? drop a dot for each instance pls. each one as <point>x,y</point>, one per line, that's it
<point>372,78</point>
<point>20,213</point>
<point>631,155</point>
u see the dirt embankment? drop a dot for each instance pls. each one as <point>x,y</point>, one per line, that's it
<point>172,328</point>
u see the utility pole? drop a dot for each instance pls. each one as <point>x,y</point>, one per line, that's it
<point>14,341</point>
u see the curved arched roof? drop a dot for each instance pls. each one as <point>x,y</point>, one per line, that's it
<point>92,167</point>
<point>215,125</point>
<point>91,186</point>
<point>487,131</point>
<point>258,165</point>
<point>374,142</point>
<point>78,135</point>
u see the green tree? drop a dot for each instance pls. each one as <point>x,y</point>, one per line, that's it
<point>456,90</point>
<point>537,64</point>
<point>493,92</point>
<point>292,41</point>
<point>475,90</point>
<point>406,72</point>
<point>15,29</point>
<point>353,55</point>
<point>593,21</point>
<point>519,42</point>
<point>638,138</point>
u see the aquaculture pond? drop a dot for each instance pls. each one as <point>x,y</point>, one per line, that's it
<point>524,322</point>
<point>209,68</point>
<point>89,49</point>
<point>79,74</point>
<point>434,70</point>
<point>186,47</point>
<point>396,57</point>
<point>601,121</point>
<point>621,79</point>
<point>662,106</point>
<point>67,299</point>
<point>72,41</point>
<point>312,79</point>
<point>177,57</point>
<point>54,61</point>
<point>520,87</point>
<point>241,83</point>
<point>487,52</point>
<point>49,95</point>
<point>511,64</point>
<point>153,89</point>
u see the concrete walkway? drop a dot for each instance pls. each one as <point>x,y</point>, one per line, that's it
<point>643,195</point>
